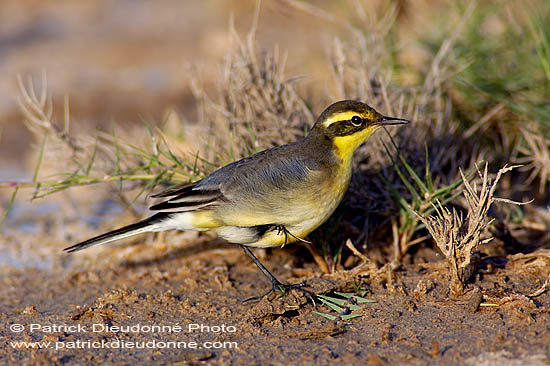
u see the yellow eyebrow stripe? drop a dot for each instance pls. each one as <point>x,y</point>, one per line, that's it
<point>342,116</point>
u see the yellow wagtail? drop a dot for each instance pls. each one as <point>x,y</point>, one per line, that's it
<point>271,198</point>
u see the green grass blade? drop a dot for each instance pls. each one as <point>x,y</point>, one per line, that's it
<point>341,302</point>
<point>40,157</point>
<point>10,204</point>
<point>407,166</point>
<point>347,295</point>
<point>117,159</point>
<point>427,172</point>
<point>405,181</point>
<point>331,305</point>
<point>92,160</point>
<point>328,316</point>
<point>361,300</point>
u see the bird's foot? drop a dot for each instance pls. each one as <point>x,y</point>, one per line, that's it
<point>283,288</point>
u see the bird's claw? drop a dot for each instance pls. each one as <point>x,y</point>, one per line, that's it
<point>283,288</point>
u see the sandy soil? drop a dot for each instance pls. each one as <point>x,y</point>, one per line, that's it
<point>195,292</point>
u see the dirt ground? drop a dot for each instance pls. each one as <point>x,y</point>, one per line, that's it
<point>195,292</point>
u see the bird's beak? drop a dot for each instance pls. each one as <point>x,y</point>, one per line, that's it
<point>388,121</point>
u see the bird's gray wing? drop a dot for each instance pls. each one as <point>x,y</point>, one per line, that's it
<point>249,178</point>
<point>279,168</point>
<point>188,197</point>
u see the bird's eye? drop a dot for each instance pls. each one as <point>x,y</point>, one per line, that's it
<point>356,121</point>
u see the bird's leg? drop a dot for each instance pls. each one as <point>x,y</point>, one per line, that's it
<point>276,285</point>
<point>285,231</point>
<point>282,228</point>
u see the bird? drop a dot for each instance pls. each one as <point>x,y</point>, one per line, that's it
<point>272,198</point>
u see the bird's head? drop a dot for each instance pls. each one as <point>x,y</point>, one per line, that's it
<point>349,123</point>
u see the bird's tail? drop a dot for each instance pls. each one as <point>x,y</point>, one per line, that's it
<point>133,229</point>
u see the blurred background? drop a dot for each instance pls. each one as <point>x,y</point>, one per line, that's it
<point>119,60</point>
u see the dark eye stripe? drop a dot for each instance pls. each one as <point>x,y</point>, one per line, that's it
<point>343,128</point>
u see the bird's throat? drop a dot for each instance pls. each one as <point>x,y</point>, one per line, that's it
<point>345,146</point>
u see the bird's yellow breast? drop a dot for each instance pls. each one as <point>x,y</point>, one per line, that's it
<point>308,208</point>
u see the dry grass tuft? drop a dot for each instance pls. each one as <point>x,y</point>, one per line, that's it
<point>536,158</point>
<point>129,160</point>
<point>256,106</point>
<point>459,238</point>
<point>38,111</point>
